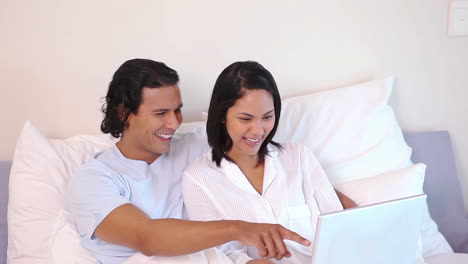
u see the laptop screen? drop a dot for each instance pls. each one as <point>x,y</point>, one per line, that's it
<point>382,233</point>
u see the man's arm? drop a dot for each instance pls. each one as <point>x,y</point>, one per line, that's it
<point>345,200</point>
<point>129,226</point>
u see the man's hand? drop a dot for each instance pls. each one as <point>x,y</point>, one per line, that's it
<point>259,261</point>
<point>267,238</point>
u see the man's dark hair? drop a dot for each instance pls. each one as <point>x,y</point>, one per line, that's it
<point>229,87</point>
<point>124,93</point>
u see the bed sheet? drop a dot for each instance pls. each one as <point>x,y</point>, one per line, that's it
<point>209,256</point>
<point>451,258</point>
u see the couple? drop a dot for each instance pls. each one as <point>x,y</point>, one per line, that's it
<point>247,194</point>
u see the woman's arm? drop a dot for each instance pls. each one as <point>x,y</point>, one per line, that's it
<point>345,200</point>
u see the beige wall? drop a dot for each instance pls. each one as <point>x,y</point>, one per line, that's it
<point>57,57</point>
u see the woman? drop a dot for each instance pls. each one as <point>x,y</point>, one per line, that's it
<point>247,176</point>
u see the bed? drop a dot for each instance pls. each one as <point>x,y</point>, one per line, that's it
<point>352,130</point>
<point>445,204</point>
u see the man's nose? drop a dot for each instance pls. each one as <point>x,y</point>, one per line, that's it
<point>173,121</point>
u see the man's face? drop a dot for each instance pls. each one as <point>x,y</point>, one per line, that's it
<point>149,132</point>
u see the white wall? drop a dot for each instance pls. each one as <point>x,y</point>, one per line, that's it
<point>57,57</point>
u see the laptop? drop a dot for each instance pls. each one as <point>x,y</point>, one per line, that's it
<point>382,233</point>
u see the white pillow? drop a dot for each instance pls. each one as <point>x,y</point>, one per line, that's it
<point>398,184</point>
<point>354,133</point>
<point>352,130</point>
<point>66,247</point>
<point>388,186</point>
<point>39,177</point>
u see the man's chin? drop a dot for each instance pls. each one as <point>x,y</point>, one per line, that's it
<point>162,151</point>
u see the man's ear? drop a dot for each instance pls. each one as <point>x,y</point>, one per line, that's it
<point>122,112</point>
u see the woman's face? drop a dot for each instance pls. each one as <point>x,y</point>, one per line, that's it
<point>249,121</point>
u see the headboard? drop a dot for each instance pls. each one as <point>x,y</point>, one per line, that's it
<point>4,176</point>
<point>445,199</point>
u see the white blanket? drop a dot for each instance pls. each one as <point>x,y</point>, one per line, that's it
<point>449,258</point>
<point>209,256</point>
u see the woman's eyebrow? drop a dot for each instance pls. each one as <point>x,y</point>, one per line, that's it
<point>250,115</point>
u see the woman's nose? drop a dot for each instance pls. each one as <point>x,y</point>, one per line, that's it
<point>256,128</point>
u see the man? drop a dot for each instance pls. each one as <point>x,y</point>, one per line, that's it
<point>128,198</point>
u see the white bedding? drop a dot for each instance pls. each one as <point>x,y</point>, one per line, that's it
<point>209,256</point>
<point>449,258</point>
<point>214,256</point>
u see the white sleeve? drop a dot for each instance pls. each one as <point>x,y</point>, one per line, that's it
<point>236,252</point>
<point>317,184</point>
<point>200,207</point>
<point>91,196</point>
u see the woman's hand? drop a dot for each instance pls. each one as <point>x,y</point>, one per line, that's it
<point>259,261</point>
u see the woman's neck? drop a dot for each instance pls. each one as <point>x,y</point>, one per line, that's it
<point>251,169</point>
<point>243,159</point>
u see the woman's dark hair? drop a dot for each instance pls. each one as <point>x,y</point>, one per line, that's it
<point>125,89</point>
<point>229,87</point>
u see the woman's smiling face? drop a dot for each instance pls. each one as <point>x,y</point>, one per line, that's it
<point>249,121</point>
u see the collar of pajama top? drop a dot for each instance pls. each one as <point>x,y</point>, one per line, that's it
<point>154,188</point>
<point>286,199</point>
<point>137,170</point>
<point>237,177</point>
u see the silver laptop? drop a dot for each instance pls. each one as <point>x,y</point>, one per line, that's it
<point>383,233</point>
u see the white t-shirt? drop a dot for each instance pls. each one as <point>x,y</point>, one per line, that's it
<point>109,180</point>
<point>295,191</point>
